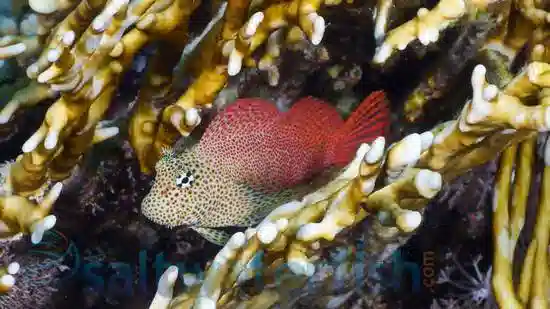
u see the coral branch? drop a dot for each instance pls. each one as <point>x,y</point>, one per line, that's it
<point>540,285</point>
<point>289,236</point>
<point>7,276</point>
<point>19,215</point>
<point>503,249</point>
<point>426,28</point>
<point>29,96</point>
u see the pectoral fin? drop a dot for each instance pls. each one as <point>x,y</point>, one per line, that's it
<point>215,236</point>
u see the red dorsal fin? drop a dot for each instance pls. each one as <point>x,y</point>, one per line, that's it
<point>369,121</point>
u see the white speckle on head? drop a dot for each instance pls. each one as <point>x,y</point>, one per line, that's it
<point>185,180</point>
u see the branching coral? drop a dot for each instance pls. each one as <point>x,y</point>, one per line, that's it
<point>7,279</point>
<point>288,238</point>
<point>509,221</point>
<point>84,57</point>
<point>83,47</point>
<point>426,28</point>
<point>82,61</point>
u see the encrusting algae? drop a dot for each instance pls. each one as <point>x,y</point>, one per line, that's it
<point>253,158</point>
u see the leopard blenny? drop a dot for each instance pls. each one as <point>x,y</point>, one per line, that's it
<point>252,158</point>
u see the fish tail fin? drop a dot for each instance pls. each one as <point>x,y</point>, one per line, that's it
<point>369,121</point>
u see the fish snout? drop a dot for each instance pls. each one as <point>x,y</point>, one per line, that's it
<point>162,208</point>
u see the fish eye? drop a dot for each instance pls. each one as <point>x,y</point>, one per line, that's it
<point>185,180</point>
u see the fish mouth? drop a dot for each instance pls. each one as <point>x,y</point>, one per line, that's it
<point>157,212</point>
<point>152,212</point>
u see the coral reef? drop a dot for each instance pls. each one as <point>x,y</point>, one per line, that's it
<point>122,81</point>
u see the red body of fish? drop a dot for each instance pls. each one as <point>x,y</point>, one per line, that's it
<point>271,150</point>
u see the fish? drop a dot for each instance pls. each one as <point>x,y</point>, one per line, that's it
<point>252,158</point>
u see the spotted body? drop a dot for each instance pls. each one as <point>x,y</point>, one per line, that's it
<point>253,158</point>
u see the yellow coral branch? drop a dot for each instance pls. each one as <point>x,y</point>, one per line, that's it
<point>503,249</point>
<point>539,289</point>
<point>485,127</point>
<point>425,28</point>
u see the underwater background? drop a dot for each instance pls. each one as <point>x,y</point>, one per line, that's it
<point>280,153</point>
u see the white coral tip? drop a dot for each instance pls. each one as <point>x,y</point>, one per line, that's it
<point>267,232</point>
<point>318,28</point>
<point>13,268</point>
<point>376,151</point>
<point>428,183</point>
<point>7,281</point>
<point>253,24</point>
<point>235,63</point>
<point>204,303</point>
<point>301,267</point>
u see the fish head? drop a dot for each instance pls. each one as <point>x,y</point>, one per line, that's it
<point>180,191</point>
